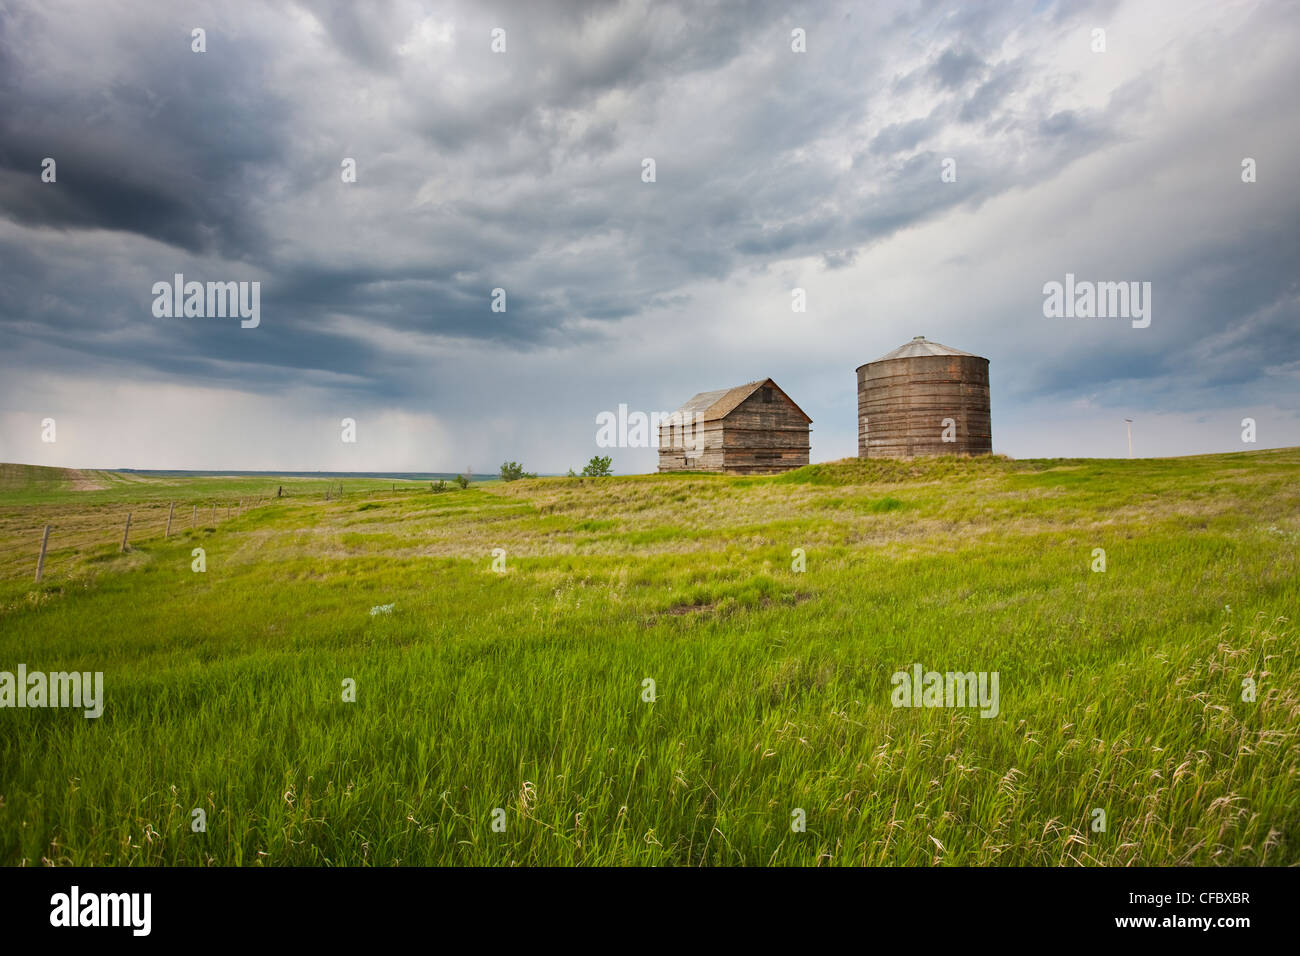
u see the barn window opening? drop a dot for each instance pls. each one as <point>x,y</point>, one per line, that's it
<point>767,394</point>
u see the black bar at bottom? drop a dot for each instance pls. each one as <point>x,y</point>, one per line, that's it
<point>330,906</point>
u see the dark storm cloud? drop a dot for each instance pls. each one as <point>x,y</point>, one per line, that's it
<point>173,147</point>
<point>192,150</point>
<point>1220,320</point>
<point>522,171</point>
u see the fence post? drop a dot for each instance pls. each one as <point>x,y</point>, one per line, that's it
<point>170,512</point>
<point>125,531</point>
<point>40,562</point>
<point>214,513</point>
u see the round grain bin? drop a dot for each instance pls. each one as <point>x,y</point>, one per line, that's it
<point>924,398</point>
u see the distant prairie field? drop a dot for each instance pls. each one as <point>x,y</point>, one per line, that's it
<point>636,671</point>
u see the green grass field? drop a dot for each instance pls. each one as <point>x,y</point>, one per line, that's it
<point>518,697</point>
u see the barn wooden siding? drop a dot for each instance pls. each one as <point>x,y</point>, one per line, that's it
<point>751,429</point>
<point>904,397</point>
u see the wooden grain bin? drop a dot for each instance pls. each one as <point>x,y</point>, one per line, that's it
<point>753,428</point>
<point>905,398</point>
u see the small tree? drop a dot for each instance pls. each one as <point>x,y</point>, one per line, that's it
<point>598,467</point>
<point>463,480</point>
<point>513,471</point>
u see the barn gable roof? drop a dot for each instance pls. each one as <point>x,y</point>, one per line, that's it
<point>721,402</point>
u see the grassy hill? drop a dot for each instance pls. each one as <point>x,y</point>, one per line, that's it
<point>38,482</point>
<point>520,695</point>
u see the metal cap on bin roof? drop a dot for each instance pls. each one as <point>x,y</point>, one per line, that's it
<point>919,347</point>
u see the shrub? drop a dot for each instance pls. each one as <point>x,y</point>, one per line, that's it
<point>598,467</point>
<point>513,471</point>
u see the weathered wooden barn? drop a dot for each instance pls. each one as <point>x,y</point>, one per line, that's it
<point>750,429</point>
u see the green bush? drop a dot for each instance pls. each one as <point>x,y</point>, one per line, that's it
<point>598,467</point>
<point>513,471</point>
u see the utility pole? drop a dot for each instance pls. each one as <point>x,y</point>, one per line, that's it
<point>1130,436</point>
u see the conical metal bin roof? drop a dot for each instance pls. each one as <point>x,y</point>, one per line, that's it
<point>919,347</point>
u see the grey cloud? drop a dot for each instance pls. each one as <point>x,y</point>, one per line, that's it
<point>522,171</point>
<point>954,67</point>
<point>358,30</point>
<point>990,93</point>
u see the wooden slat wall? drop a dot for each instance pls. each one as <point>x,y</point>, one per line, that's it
<point>708,439</point>
<point>902,404</point>
<point>755,437</point>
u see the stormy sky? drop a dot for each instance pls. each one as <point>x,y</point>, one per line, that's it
<point>522,170</point>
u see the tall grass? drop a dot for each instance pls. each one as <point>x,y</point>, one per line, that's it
<point>523,692</point>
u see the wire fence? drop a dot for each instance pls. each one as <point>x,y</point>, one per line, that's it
<point>63,538</point>
<point>39,540</point>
